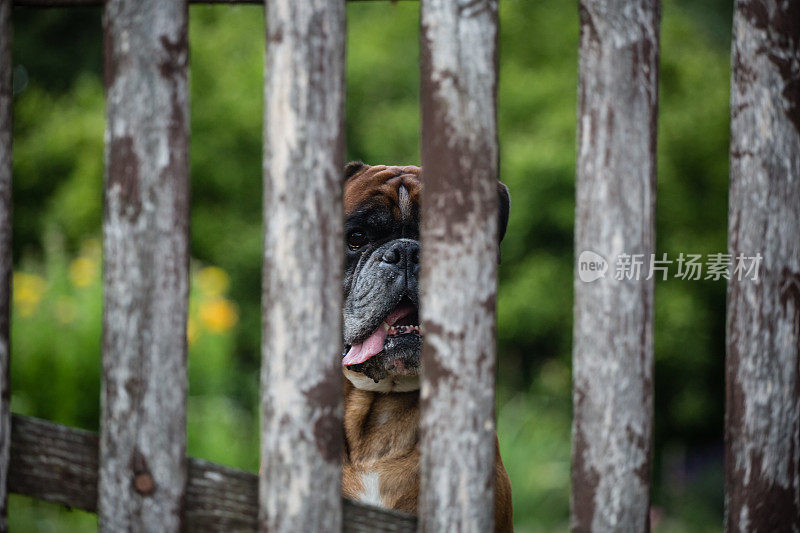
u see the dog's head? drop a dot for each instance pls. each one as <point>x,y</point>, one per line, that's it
<point>381,297</point>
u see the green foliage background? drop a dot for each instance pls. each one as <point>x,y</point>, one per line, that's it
<point>58,165</point>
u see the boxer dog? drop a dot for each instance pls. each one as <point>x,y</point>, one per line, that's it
<point>381,361</point>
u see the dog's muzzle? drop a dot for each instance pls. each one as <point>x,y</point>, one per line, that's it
<point>382,332</point>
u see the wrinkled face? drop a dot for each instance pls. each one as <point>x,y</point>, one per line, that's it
<point>381,305</point>
<point>381,310</point>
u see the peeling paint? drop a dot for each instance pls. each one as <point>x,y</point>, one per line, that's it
<point>459,263</point>
<point>301,377</point>
<point>145,230</point>
<point>615,212</point>
<point>762,463</point>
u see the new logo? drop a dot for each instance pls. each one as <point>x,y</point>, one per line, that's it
<point>591,266</point>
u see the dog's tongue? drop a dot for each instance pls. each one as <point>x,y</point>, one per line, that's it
<point>372,345</point>
<point>359,353</point>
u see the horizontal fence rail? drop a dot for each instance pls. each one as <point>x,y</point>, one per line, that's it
<point>5,248</point>
<point>612,428</point>
<point>301,380</point>
<point>58,464</point>
<point>762,461</point>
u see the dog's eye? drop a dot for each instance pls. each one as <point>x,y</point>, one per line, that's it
<point>356,239</point>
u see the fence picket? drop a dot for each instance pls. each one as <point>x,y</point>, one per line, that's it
<point>459,264</point>
<point>301,377</point>
<point>142,474</point>
<point>5,249</point>
<point>614,214</point>
<point>762,462</point>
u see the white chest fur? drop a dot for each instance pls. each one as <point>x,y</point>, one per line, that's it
<point>371,491</point>
<point>387,384</point>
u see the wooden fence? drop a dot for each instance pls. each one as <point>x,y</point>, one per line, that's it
<point>135,474</point>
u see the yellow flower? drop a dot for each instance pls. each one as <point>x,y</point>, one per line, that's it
<point>218,315</point>
<point>191,331</point>
<point>213,281</point>
<point>82,271</point>
<point>28,290</point>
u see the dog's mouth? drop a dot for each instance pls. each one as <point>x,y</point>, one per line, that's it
<point>401,321</point>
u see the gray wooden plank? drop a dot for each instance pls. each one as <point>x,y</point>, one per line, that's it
<point>301,377</point>
<point>5,248</point>
<point>59,464</point>
<point>762,462</point>
<point>54,463</point>
<point>612,429</point>
<point>459,264</point>
<point>96,3</point>
<point>146,265</point>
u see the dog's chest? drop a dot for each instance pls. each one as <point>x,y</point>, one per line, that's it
<point>381,466</point>
<point>392,483</point>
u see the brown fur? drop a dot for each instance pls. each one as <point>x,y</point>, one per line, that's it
<point>382,428</point>
<point>381,435</point>
<point>380,184</point>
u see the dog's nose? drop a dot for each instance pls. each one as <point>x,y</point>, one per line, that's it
<point>402,253</point>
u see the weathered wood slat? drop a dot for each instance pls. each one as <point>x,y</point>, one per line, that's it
<point>762,462</point>
<point>96,3</point>
<point>5,247</point>
<point>360,518</point>
<point>301,377</point>
<point>59,464</point>
<point>615,214</point>
<point>219,498</point>
<point>459,264</point>
<point>146,266</point>
<point>54,463</point>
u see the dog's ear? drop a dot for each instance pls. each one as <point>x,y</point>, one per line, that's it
<point>354,167</point>
<point>503,205</point>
